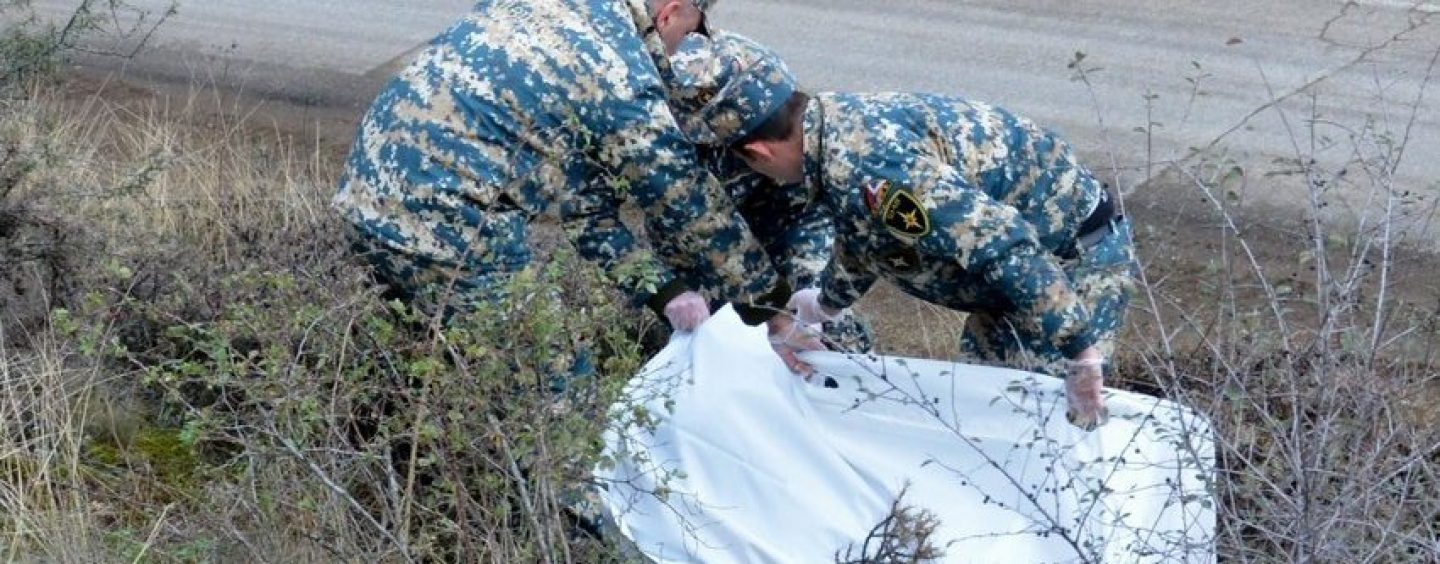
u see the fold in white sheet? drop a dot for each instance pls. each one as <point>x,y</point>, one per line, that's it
<point>752,464</point>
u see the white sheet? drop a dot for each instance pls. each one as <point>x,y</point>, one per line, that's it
<point>741,461</point>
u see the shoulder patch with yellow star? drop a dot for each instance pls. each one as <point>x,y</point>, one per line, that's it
<point>902,213</point>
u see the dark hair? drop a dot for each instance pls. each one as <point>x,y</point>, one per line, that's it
<point>781,124</point>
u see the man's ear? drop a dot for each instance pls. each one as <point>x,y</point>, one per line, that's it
<point>756,151</point>
<point>667,10</point>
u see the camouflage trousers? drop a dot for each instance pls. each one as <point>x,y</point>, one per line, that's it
<point>437,290</point>
<point>1103,276</point>
<point>427,284</point>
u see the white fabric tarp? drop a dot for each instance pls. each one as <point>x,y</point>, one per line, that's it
<point>720,454</point>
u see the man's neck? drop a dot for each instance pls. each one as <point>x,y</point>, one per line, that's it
<point>645,27</point>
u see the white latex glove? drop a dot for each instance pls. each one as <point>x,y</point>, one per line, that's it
<point>807,308</point>
<point>687,311</point>
<point>1083,386</point>
<point>789,337</point>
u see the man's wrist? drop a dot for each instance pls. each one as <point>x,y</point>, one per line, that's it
<point>779,324</point>
<point>1090,355</point>
<point>1079,344</point>
<point>662,297</point>
<point>783,330</point>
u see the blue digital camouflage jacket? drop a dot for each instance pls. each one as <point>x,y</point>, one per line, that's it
<point>957,202</point>
<point>527,107</point>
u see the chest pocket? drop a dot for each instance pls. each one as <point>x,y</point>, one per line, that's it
<point>899,259</point>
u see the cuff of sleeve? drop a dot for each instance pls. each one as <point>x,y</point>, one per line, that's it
<point>764,307</point>
<point>830,302</point>
<point>1078,344</point>
<point>662,297</point>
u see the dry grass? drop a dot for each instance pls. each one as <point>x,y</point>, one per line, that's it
<point>140,194</point>
<point>187,355</point>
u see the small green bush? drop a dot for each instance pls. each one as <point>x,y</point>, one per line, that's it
<point>391,435</point>
<point>223,381</point>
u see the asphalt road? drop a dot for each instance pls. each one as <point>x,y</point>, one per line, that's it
<point>1195,71</point>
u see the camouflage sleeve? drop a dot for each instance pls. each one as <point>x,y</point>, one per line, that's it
<point>648,159</point>
<point>1038,287</point>
<point>844,280</point>
<point>959,222</point>
<point>591,219</point>
<point>805,246</point>
<point>797,236</point>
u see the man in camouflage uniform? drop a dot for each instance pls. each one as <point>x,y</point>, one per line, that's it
<point>528,106</point>
<point>797,236</point>
<point>964,205</point>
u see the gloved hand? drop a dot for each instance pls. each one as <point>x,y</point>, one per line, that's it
<point>807,308</point>
<point>788,337</point>
<point>687,311</point>
<point>1083,385</point>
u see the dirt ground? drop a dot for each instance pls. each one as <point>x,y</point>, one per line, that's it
<point>1179,236</point>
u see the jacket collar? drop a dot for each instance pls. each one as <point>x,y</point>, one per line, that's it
<point>813,138</point>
